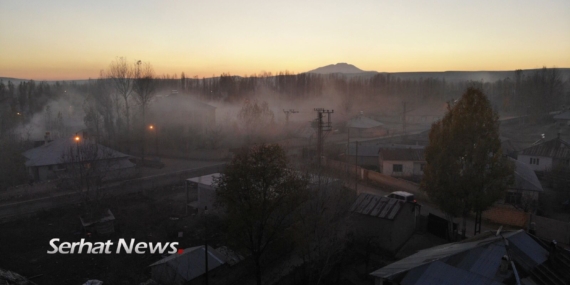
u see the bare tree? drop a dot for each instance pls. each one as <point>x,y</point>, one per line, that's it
<point>120,75</point>
<point>145,88</point>
<point>86,165</point>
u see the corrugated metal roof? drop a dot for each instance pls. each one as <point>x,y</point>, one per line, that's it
<point>53,152</point>
<point>555,148</point>
<point>362,122</point>
<point>439,273</point>
<point>481,257</point>
<point>191,263</point>
<point>402,154</point>
<point>377,206</point>
<point>534,253</point>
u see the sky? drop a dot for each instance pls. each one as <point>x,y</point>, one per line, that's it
<point>59,39</point>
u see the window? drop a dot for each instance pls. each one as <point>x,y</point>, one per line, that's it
<point>534,161</point>
<point>422,166</point>
<point>397,168</point>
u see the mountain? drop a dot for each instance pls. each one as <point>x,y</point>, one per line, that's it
<point>338,68</point>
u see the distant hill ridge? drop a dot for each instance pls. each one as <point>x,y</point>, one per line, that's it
<point>337,68</point>
<point>452,76</point>
<point>350,70</point>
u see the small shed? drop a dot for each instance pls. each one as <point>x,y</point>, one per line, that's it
<point>206,191</point>
<point>386,222</point>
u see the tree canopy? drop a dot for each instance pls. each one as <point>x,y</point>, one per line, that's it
<point>466,169</point>
<point>259,194</point>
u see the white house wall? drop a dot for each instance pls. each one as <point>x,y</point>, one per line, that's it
<point>544,163</point>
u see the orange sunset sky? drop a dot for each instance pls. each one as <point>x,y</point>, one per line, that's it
<point>55,40</point>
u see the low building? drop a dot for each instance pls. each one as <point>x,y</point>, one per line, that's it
<point>546,155</point>
<point>402,162</point>
<point>484,259</point>
<point>187,266</point>
<point>386,222</point>
<point>206,191</point>
<point>62,157</point>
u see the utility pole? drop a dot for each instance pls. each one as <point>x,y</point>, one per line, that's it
<point>322,127</point>
<point>287,112</point>
<point>356,168</point>
<point>206,241</point>
<point>404,118</point>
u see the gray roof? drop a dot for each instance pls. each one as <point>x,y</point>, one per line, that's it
<point>525,178</point>
<point>191,263</point>
<point>402,154</point>
<point>377,206</point>
<point>555,148</point>
<point>372,149</point>
<point>207,180</point>
<point>364,149</point>
<point>476,260</point>
<point>441,273</point>
<point>563,116</point>
<point>53,152</point>
<point>362,122</point>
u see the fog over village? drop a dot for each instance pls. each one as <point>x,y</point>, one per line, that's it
<point>362,158</point>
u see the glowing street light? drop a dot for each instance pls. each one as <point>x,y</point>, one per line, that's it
<point>77,138</point>
<point>151,127</point>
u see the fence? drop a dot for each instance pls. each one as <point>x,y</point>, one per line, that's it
<point>29,190</point>
<point>506,215</point>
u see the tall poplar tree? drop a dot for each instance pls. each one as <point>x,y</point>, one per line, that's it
<point>466,170</point>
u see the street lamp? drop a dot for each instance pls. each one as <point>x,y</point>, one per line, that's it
<point>152,128</point>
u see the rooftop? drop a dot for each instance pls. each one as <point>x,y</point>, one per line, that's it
<point>204,179</point>
<point>473,261</point>
<point>405,154</point>
<point>362,122</point>
<point>377,206</point>
<point>525,178</point>
<point>555,148</point>
<point>191,263</point>
<point>53,152</point>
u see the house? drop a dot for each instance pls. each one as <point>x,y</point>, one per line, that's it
<point>187,266</point>
<point>546,155</point>
<point>364,127</point>
<point>387,222</point>
<point>484,259</point>
<point>60,157</point>
<point>206,191</point>
<point>402,162</point>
